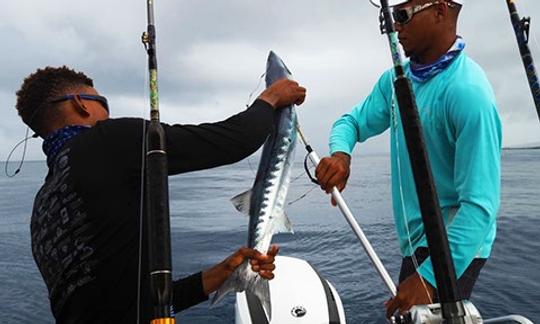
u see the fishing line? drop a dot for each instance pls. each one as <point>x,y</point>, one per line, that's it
<point>309,150</point>
<point>302,196</point>
<point>250,166</point>
<point>306,170</point>
<point>25,141</point>
<point>536,43</point>
<point>248,103</point>
<point>141,198</point>
<point>301,174</point>
<point>395,125</point>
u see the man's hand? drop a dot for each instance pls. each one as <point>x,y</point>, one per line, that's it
<point>283,93</point>
<point>260,263</point>
<point>410,292</point>
<point>263,264</point>
<point>334,172</point>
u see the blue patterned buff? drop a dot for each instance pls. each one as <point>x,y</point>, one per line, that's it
<point>54,142</point>
<point>424,72</point>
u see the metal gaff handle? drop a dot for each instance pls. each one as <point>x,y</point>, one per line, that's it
<point>314,158</point>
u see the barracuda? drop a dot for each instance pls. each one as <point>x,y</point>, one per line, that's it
<point>264,202</point>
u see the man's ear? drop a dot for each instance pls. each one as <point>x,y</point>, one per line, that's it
<point>442,11</point>
<point>80,106</point>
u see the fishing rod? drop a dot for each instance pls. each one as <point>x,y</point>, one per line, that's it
<point>157,193</point>
<point>314,158</point>
<point>453,310</point>
<point>521,29</point>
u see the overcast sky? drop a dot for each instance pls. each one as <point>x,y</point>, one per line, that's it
<point>212,52</point>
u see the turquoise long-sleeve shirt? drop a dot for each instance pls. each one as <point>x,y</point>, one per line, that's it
<point>462,132</point>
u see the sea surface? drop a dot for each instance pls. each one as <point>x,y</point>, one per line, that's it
<point>206,229</point>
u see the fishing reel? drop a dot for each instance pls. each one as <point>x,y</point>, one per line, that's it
<point>432,314</point>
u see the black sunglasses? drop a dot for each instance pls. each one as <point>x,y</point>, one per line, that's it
<point>102,100</point>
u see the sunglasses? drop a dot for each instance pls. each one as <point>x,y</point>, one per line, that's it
<point>404,15</point>
<point>102,100</point>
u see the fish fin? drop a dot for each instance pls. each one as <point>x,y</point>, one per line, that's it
<point>242,202</point>
<point>261,290</point>
<point>282,224</point>
<point>236,282</point>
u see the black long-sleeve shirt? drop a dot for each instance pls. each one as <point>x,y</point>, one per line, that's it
<point>85,221</point>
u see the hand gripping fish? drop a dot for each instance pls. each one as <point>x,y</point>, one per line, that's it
<point>264,203</point>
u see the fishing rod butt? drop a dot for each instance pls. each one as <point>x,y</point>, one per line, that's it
<point>158,222</point>
<point>453,312</point>
<point>157,187</point>
<point>167,320</point>
<point>162,294</point>
<point>436,235</point>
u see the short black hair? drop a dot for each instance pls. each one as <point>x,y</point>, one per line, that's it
<point>40,87</point>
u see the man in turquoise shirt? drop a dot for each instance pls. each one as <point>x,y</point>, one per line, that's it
<point>462,132</point>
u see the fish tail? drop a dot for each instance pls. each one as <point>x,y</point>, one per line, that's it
<point>260,288</point>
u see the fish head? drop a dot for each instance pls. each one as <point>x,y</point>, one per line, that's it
<point>275,69</point>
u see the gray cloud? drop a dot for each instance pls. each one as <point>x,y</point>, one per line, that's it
<point>211,54</point>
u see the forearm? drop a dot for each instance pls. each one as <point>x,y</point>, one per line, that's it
<point>194,289</point>
<point>214,277</point>
<point>188,292</point>
<point>367,119</point>
<point>468,232</point>
<point>344,135</point>
<point>196,147</point>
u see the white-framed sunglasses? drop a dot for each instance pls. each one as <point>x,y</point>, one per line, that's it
<point>404,15</point>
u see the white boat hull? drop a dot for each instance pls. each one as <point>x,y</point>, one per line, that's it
<point>298,295</point>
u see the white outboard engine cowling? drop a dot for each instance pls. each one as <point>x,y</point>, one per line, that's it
<point>298,295</point>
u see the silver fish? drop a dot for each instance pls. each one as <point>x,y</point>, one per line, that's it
<point>264,203</point>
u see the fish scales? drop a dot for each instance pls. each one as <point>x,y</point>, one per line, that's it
<point>265,201</point>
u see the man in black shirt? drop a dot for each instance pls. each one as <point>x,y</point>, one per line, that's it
<point>85,220</point>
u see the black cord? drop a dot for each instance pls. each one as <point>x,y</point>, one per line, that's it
<point>25,140</point>
<point>313,179</point>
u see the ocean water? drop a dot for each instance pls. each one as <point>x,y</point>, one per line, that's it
<point>206,229</point>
